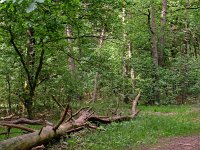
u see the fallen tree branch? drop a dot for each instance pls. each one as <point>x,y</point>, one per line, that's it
<point>24,121</point>
<point>7,117</point>
<point>42,136</point>
<point>134,104</point>
<point>75,114</point>
<point>59,105</point>
<point>17,126</point>
<point>62,118</point>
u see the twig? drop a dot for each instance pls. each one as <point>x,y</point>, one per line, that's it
<point>40,131</point>
<point>91,126</point>
<point>76,113</point>
<point>75,130</point>
<point>55,100</point>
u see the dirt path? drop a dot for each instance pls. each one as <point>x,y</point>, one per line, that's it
<point>177,143</point>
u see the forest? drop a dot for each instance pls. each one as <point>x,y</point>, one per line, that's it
<point>99,74</point>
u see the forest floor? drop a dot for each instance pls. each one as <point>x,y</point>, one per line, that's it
<point>155,128</point>
<point>176,143</point>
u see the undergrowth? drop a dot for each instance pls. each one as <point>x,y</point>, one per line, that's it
<point>152,123</point>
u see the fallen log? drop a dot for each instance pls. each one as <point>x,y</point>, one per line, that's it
<point>28,141</point>
<point>47,133</point>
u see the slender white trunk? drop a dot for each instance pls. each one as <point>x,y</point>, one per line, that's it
<point>71,62</point>
<point>96,79</point>
<point>162,31</point>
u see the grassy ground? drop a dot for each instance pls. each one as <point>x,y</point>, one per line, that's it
<point>152,123</point>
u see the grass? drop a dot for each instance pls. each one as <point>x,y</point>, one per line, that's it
<point>16,132</point>
<point>146,129</point>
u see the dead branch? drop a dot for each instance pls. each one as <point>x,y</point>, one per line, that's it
<point>86,116</point>
<point>17,126</point>
<point>62,118</point>
<point>56,101</point>
<point>40,147</point>
<point>75,130</point>
<point>75,114</point>
<point>24,121</point>
<point>134,104</point>
<point>7,117</point>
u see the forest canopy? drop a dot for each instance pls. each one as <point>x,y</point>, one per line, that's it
<point>81,50</point>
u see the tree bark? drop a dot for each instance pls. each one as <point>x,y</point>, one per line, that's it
<point>132,71</point>
<point>96,78</point>
<point>71,62</point>
<point>125,66</point>
<point>162,31</point>
<point>154,43</point>
<point>31,73</point>
<point>94,96</point>
<point>154,55</point>
<point>9,94</point>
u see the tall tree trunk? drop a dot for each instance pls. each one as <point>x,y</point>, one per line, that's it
<point>30,71</point>
<point>95,91</point>
<point>128,68</point>
<point>132,72</point>
<point>30,49</point>
<point>9,93</point>
<point>125,66</point>
<point>96,79</point>
<point>154,55</point>
<point>29,91</point>
<point>185,54</point>
<point>71,62</point>
<point>162,31</point>
<point>153,31</point>
<point>28,103</point>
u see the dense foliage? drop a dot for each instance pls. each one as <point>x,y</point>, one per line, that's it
<point>80,50</point>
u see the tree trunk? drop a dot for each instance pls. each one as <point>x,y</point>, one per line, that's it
<point>71,62</point>
<point>185,54</point>
<point>28,103</point>
<point>96,78</point>
<point>29,91</point>
<point>128,67</point>
<point>31,74</point>
<point>94,96</point>
<point>125,66</point>
<point>155,55</point>
<point>9,93</point>
<point>154,43</point>
<point>132,72</point>
<point>31,51</point>
<point>162,31</point>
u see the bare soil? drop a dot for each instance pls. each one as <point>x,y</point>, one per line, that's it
<point>177,143</point>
